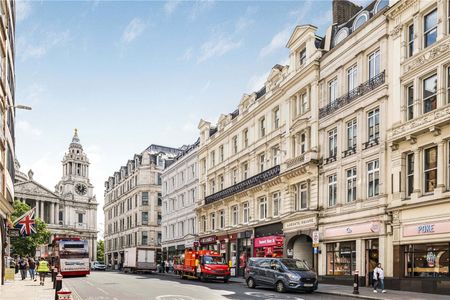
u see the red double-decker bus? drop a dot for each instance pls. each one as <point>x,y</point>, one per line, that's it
<point>71,256</point>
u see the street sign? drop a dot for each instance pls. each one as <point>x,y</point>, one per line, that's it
<point>316,239</point>
<point>14,232</point>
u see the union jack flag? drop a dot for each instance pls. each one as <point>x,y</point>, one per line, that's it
<point>26,223</point>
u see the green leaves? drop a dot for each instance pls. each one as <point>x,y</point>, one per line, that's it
<point>26,245</point>
<point>100,250</point>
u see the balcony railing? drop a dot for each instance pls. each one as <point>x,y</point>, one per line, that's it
<point>243,185</point>
<point>357,92</point>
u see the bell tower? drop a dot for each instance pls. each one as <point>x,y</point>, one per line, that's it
<point>75,177</point>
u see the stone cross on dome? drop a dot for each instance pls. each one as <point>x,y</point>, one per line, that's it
<point>75,140</point>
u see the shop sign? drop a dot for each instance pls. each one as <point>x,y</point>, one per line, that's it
<point>298,224</point>
<point>268,241</point>
<point>208,240</point>
<point>361,228</point>
<point>427,228</point>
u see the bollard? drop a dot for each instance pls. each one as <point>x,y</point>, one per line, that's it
<point>356,283</point>
<point>54,273</point>
<point>58,287</point>
<point>64,295</point>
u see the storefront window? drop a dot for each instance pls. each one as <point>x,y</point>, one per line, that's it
<point>427,260</point>
<point>341,258</point>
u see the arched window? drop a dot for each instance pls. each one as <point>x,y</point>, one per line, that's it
<point>361,19</point>
<point>380,5</point>
<point>342,34</point>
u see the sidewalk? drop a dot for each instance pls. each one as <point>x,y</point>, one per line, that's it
<point>27,289</point>
<point>365,292</point>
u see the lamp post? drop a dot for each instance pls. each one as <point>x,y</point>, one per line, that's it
<point>19,106</point>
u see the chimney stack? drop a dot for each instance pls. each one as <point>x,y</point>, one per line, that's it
<point>344,10</point>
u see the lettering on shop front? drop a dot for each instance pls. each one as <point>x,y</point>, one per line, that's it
<point>426,228</point>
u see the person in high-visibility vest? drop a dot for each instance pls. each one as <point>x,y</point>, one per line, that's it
<point>42,269</point>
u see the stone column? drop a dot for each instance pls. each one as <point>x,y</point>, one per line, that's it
<point>52,213</point>
<point>417,189</point>
<point>440,165</point>
<point>38,211</point>
<point>41,210</point>
<point>56,213</point>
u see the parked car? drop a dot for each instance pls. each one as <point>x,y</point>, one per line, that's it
<point>281,273</point>
<point>98,266</point>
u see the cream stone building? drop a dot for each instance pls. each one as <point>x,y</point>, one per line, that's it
<point>7,114</point>
<point>259,164</point>
<point>69,210</point>
<point>133,203</point>
<point>419,145</point>
<point>180,191</point>
<point>353,119</point>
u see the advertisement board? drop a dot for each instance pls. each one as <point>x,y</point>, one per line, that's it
<point>71,264</point>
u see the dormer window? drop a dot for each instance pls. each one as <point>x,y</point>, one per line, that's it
<point>380,5</point>
<point>360,20</point>
<point>302,56</point>
<point>341,35</point>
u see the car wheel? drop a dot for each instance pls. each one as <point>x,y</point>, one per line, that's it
<point>251,283</point>
<point>280,287</point>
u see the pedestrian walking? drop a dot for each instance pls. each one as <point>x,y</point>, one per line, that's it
<point>163,266</point>
<point>31,268</point>
<point>42,270</point>
<point>166,263</point>
<point>378,277</point>
<point>171,265</point>
<point>23,268</point>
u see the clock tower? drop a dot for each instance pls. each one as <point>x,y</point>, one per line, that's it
<point>75,184</point>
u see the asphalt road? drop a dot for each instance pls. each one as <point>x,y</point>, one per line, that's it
<point>118,286</point>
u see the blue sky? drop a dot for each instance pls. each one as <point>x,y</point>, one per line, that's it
<point>129,74</point>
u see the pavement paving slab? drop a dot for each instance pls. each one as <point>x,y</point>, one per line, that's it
<point>27,289</point>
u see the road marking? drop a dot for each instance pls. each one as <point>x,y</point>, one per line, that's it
<point>174,297</point>
<point>89,283</point>
<point>271,296</point>
<point>103,291</point>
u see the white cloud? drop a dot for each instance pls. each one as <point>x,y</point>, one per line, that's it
<point>23,10</point>
<point>28,129</point>
<point>170,6</point>
<point>256,82</point>
<point>134,29</point>
<point>278,41</point>
<point>217,46</point>
<point>199,7</point>
<point>46,42</point>
<point>187,55</point>
<point>33,93</point>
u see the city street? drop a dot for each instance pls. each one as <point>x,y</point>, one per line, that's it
<point>119,286</point>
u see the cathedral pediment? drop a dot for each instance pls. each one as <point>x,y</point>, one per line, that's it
<point>32,188</point>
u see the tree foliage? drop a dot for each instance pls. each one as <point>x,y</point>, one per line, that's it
<point>100,250</point>
<point>26,245</point>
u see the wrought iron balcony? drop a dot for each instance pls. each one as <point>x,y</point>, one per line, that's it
<point>357,92</point>
<point>243,185</point>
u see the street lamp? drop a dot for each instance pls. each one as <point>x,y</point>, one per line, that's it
<point>20,106</point>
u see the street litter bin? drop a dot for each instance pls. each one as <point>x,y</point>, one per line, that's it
<point>64,295</point>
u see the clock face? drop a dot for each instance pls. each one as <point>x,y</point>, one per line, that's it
<point>81,189</point>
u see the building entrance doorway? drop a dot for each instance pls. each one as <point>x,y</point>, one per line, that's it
<point>300,247</point>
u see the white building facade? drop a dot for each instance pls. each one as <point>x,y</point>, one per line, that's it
<point>180,191</point>
<point>71,210</point>
<point>133,200</point>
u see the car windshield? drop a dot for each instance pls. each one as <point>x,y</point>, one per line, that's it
<point>213,260</point>
<point>295,265</point>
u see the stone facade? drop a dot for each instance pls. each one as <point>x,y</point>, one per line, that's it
<point>180,190</point>
<point>133,200</point>
<point>71,210</point>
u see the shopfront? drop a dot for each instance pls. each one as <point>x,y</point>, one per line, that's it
<point>269,241</point>
<point>346,249</point>
<point>244,250</point>
<point>423,257</point>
